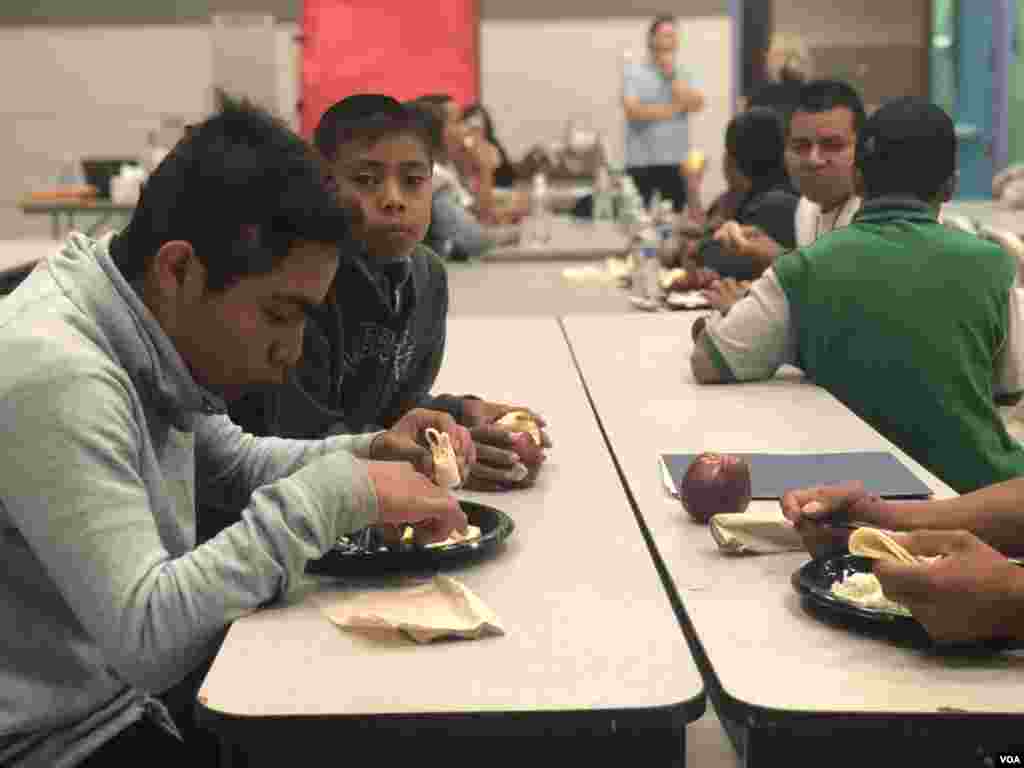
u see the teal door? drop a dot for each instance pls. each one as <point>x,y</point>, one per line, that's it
<point>966,81</point>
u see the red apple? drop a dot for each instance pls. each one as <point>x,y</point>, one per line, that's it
<point>714,484</point>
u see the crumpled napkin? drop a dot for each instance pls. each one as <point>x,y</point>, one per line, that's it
<point>755,532</point>
<point>442,607</point>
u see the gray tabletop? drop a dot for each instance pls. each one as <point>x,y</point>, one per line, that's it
<point>528,288</point>
<point>768,662</point>
<point>590,629</point>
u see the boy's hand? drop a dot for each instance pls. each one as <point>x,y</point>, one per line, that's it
<point>811,510</point>
<point>406,497</point>
<point>505,458</point>
<point>724,293</point>
<point>405,441</point>
<point>972,593</point>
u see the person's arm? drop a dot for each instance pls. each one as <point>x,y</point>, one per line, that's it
<point>686,97</point>
<point>232,464</point>
<point>452,222</point>
<point>995,514</point>
<point>81,492</point>
<point>751,342</point>
<point>639,111</point>
<point>970,593</point>
<point>1009,363</point>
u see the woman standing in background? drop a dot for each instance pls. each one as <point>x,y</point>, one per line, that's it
<point>657,97</point>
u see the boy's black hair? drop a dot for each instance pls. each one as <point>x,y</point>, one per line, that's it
<point>756,142</point>
<point>907,149</point>
<point>658,21</point>
<point>242,189</point>
<point>825,95</point>
<point>370,117</point>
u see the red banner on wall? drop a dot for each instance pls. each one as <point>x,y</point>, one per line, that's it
<point>404,48</point>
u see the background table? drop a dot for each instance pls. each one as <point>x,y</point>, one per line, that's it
<point>988,213</point>
<point>804,691</point>
<point>62,213</point>
<point>18,257</point>
<point>593,647</point>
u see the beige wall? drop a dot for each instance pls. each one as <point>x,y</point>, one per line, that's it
<point>573,71</point>
<point>880,45</point>
<point>99,91</point>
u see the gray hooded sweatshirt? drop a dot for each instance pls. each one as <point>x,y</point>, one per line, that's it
<point>105,600</point>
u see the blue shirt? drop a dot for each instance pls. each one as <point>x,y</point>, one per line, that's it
<point>654,142</point>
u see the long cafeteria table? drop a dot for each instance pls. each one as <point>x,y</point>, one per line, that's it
<point>792,690</point>
<point>593,659</point>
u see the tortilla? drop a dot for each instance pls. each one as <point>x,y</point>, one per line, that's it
<point>878,545</point>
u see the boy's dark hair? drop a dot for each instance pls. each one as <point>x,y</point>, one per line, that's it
<point>657,22</point>
<point>907,148</point>
<point>242,188</point>
<point>756,142</point>
<point>370,117</point>
<point>826,95</point>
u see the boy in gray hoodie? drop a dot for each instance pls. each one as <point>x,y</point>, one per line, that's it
<point>119,358</point>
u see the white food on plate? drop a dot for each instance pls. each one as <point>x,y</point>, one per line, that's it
<point>472,534</point>
<point>865,590</point>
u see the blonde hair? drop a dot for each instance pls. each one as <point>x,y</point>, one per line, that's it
<point>794,58</point>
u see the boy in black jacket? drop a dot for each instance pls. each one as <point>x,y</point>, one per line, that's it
<point>373,350</point>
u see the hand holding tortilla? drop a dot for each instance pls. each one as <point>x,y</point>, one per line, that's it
<point>818,514</point>
<point>405,441</point>
<point>406,497</point>
<point>969,592</point>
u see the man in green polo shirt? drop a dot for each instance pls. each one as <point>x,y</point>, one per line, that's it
<point>913,326</point>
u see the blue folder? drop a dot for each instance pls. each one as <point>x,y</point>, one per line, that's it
<point>771,475</point>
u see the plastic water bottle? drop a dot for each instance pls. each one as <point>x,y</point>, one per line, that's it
<point>630,202</point>
<point>604,205</point>
<point>665,226</point>
<point>645,258</point>
<point>650,264</point>
<point>538,224</point>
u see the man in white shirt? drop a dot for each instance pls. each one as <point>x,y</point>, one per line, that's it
<point>820,144</point>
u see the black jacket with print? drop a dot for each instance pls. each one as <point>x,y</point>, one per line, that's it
<point>365,362</point>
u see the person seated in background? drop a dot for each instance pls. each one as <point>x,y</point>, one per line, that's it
<point>885,315</point>
<point>372,352</point>
<point>821,139</point>
<point>120,354</point>
<point>973,593</point>
<point>455,233</point>
<point>479,126</point>
<point>787,66</point>
<point>466,165</point>
<point>754,164</point>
